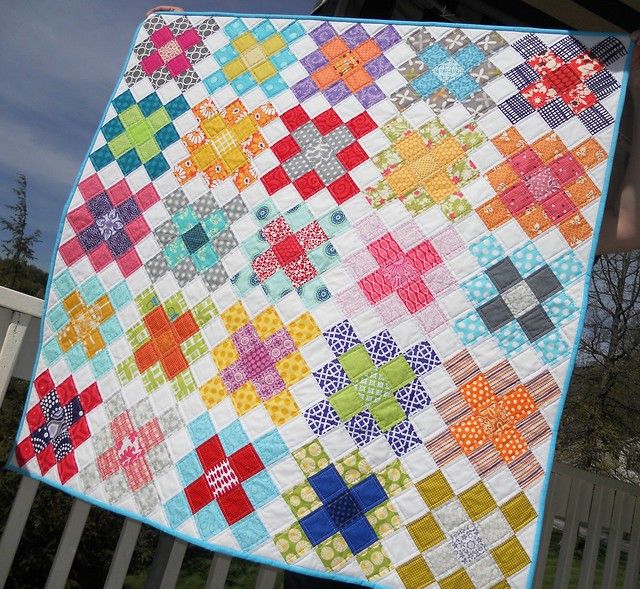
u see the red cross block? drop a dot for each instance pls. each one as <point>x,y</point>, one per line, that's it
<point>129,451</point>
<point>164,342</point>
<point>222,479</point>
<point>562,79</point>
<point>57,425</point>
<point>170,51</point>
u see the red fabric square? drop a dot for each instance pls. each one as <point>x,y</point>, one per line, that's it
<point>558,207</point>
<point>275,179</point>
<point>101,257</point>
<point>352,156</point>
<point>188,39</point>
<point>276,231</point>
<point>562,79</point>
<point>424,256</point>
<point>235,505</point>
<point>79,432</point>
<point>46,459</point>
<point>300,271</point>
<point>585,66</point>
<point>265,265</point>
<point>151,63</point>
<point>415,295</point>
<point>376,286</point>
<point>288,250</point>
<point>71,251</point>
<point>566,168</point>
<point>90,398</point>
<point>43,383</point>
<point>185,326</point>
<point>361,125</point>
<point>161,36</point>
<point>90,186</point>
<point>129,262</point>
<point>198,494</point>
<point>286,148</point>
<point>210,452</point>
<point>327,121</point>
<point>546,62</point>
<point>108,463</point>
<point>538,94</point>
<point>178,64</point>
<point>579,98</point>
<point>246,462</point>
<point>67,467</point>
<point>385,249</point>
<point>35,418</point>
<point>517,199</point>
<point>67,390</point>
<point>525,162</point>
<point>119,192</point>
<point>308,184</point>
<point>343,189</point>
<point>156,321</point>
<point>137,229</point>
<point>25,451</point>
<point>145,356</point>
<point>311,236</point>
<point>147,197</point>
<point>294,118</point>
<point>80,218</point>
<point>174,363</point>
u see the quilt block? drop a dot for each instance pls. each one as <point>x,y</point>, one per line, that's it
<point>318,289</point>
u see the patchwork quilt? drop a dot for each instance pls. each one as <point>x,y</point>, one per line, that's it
<point>317,291</point>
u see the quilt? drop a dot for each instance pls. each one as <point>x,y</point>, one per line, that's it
<point>318,287</point>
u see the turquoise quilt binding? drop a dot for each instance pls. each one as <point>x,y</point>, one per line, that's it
<point>278,564</point>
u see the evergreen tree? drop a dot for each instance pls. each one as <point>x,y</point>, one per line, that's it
<point>18,248</point>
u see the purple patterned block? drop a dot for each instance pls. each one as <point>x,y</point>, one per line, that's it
<point>304,89</point>
<point>362,428</point>
<point>256,361</point>
<point>341,337</point>
<point>280,345</point>
<point>128,210</point>
<point>387,37</point>
<point>382,348</point>
<point>245,339</point>
<point>354,36</point>
<point>422,358</point>
<point>119,243</point>
<point>233,377</point>
<point>322,34</point>
<point>403,438</point>
<point>313,61</point>
<point>378,67</point>
<point>370,95</point>
<point>331,377</point>
<point>90,237</point>
<point>269,383</point>
<point>337,92</point>
<point>321,417</point>
<point>99,205</point>
<point>413,397</point>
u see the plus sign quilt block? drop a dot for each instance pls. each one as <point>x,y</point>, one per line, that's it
<point>318,289</point>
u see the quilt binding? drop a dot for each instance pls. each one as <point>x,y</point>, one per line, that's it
<point>540,508</point>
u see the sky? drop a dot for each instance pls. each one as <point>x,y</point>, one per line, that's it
<point>60,62</point>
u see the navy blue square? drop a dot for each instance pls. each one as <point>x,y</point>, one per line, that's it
<point>568,48</point>
<point>608,50</point>
<point>522,75</point>
<point>90,238</point>
<point>99,205</point>
<point>128,210</point>
<point>343,510</point>
<point>318,526</point>
<point>516,108</point>
<point>369,493</point>
<point>195,238</point>
<point>119,243</point>
<point>150,104</point>
<point>529,46</point>
<point>327,483</point>
<point>359,535</point>
<point>595,118</point>
<point>555,113</point>
<point>602,84</point>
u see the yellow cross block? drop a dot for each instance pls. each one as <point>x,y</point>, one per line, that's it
<point>84,323</point>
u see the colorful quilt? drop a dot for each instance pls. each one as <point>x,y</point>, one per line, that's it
<point>318,288</point>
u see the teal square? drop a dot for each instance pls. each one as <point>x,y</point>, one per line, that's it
<point>189,468</point>
<point>560,308</point>
<point>298,217</point>
<point>470,56</point>
<point>235,28</point>
<point>129,162</point>
<point>120,295</point>
<point>324,257</point>
<point>260,489</point>
<point>567,268</point>
<point>204,258</point>
<point>233,438</point>
<point>463,87</point>
<point>434,55</point>
<point>527,259</point>
<point>156,166</point>
<point>215,81</point>
<point>177,510</point>
<point>313,292</point>
<point>243,83</point>
<point>201,429</point>
<point>175,252</point>
<point>91,290</point>
<point>250,532</point>
<point>487,251</point>
<point>215,223</point>
<point>111,330</point>
<point>51,350</point>
<point>226,54</point>
<point>210,521</point>
<point>277,286</point>
<point>334,222</point>
<point>57,317</point>
<point>480,289</point>
<point>265,212</point>
<point>101,363</point>
<point>101,157</point>
<point>64,284</point>
<point>254,246</point>
<point>271,448</point>
<point>76,357</point>
<point>470,328</point>
<point>263,30</point>
<point>511,338</point>
<point>284,58</point>
<point>426,84</point>
<point>273,86</point>
<point>292,32</point>
<point>244,281</point>
<point>185,219</point>
<point>552,347</point>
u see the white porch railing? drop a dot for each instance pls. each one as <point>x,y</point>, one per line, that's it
<point>598,514</point>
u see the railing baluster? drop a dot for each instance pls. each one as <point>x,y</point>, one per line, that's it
<point>614,541</point>
<point>633,562</point>
<point>14,525</point>
<point>592,541</point>
<point>68,545</point>
<point>122,554</point>
<point>10,348</point>
<point>165,568</point>
<point>218,571</point>
<point>266,577</point>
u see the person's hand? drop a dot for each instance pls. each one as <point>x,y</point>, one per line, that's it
<point>634,72</point>
<point>164,8</point>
